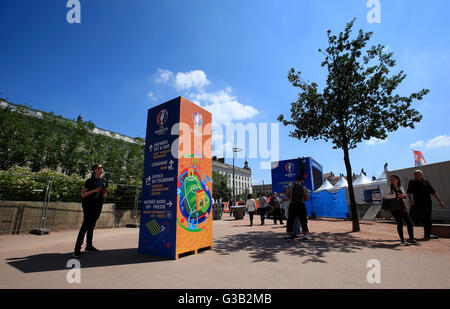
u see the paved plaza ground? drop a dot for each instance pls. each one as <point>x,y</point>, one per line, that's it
<point>242,257</point>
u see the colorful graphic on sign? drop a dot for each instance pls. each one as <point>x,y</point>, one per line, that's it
<point>162,117</point>
<point>197,119</point>
<point>195,199</point>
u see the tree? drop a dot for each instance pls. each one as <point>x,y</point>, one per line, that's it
<point>15,138</point>
<point>51,141</point>
<point>220,187</point>
<point>358,102</point>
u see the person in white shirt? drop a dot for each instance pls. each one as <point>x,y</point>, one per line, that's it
<point>251,207</point>
<point>262,207</point>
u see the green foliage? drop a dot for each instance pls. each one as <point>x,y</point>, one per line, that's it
<point>220,187</point>
<point>53,142</point>
<point>21,184</point>
<point>358,102</point>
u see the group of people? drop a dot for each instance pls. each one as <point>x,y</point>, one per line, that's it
<point>419,194</point>
<point>291,205</point>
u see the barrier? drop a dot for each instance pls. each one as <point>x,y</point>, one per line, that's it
<point>328,204</point>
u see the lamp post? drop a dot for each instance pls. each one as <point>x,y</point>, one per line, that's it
<point>235,149</point>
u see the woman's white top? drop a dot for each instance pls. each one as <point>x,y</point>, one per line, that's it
<point>251,205</point>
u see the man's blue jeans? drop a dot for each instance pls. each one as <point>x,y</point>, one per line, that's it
<point>262,212</point>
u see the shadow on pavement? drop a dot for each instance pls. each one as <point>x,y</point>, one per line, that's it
<point>265,246</point>
<point>58,261</point>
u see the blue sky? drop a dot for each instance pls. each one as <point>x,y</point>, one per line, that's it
<point>231,57</point>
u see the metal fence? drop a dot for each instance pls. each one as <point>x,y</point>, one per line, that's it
<point>39,204</point>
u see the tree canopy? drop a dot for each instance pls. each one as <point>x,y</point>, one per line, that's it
<point>52,142</point>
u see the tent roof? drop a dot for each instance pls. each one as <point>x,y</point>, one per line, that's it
<point>362,180</point>
<point>341,183</point>
<point>325,186</point>
<point>383,176</point>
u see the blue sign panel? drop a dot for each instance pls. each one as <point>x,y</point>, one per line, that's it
<point>157,234</point>
<point>286,172</point>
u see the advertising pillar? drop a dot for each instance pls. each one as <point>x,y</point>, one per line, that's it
<point>176,207</point>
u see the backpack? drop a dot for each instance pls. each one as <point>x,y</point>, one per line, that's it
<point>297,193</point>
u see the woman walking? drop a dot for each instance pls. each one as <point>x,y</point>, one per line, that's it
<point>401,214</point>
<point>251,207</point>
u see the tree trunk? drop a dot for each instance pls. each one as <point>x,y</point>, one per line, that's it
<point>351,193</point>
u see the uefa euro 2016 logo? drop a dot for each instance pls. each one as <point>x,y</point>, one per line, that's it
<point>197,119</point>
<point>289,167</point>
<point>162,117</point>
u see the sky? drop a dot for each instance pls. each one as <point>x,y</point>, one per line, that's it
<point>230,57</point>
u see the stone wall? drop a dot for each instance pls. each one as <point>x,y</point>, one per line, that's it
<point>22,217</point>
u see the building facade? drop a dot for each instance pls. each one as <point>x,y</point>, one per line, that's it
<point>266,190</point>
<point>242,175</point>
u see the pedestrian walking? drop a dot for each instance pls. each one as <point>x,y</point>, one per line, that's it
<point>250,207</point>
<point>262,207</point>
<point>285,204</point>
<point>92,195</point>
<point>298,195</point>
<point>419,196</point>
<point>275,204</point>
<point>230,207</point>
<point>401,215</point>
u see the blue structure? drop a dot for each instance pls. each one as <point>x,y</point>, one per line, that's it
<point>285,172</point>
<point>328,204</point>
<point>320,204</point>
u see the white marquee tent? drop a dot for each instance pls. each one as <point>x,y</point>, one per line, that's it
<point>325,186</point>
<point>342,183</point>
<point>362,180</point>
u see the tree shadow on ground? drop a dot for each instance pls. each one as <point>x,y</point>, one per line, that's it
<point>264,246</point>
<point>58,261</point>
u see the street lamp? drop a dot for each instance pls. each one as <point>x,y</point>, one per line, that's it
<point>235,149</point>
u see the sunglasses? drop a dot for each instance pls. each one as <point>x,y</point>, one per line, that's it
<point>100,167</point>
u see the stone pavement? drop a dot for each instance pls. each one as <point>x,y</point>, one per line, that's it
<point>243,257</point>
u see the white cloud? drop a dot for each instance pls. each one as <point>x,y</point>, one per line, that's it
<point>151,96</point>
<point>163,76</point>
<point>417,144</point>
<point>224,106</point>
<point>439,141</point>
<point>188,80</point>
<point>375,141</point>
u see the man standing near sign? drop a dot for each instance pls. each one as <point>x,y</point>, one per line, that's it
<point>92,195</point>
<point>421,191</point>
<point>298,194</point>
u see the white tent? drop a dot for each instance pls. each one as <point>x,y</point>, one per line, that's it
<point>383,177</point>
<point>325,186</point>
<point>342,183</point>
<point>362,180</point>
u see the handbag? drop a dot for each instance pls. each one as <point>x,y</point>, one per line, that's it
<point>391,204</point>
